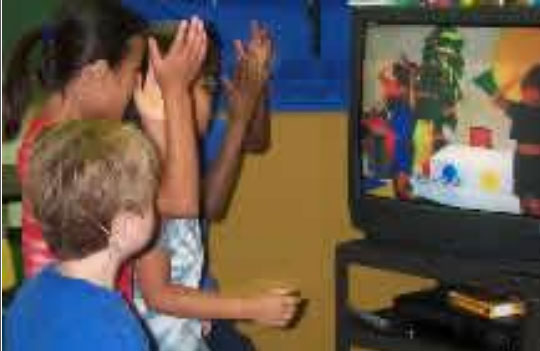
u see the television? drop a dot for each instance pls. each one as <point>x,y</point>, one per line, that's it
<point>444,115</point>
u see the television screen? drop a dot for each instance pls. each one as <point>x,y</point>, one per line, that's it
<point>445,127</point>
<point>451,116</point>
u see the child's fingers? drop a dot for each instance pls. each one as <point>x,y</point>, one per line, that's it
<point>155,54</point>
<point>137,92</point>
<point>287,316</point>
<point>195,44</point>
<point>180,36</point>
<point>292,308</point>
<point>287,313</point>
<point>264,32</point>
<point>138,82</point>
<point>240,50</point>
<point>264,39</point>
<point>201,54</point>
<point>267,40</point>
<point>202,45</point>
<point>192,33</point>
<point>293,300</point>
<point>151,77</point>
<point>256,34</point>
<point>289,292</point>
<point>281,291</point>
<point>260,37</point>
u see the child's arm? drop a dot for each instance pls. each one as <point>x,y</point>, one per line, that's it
<point>261,47</point>
<point>223,173</point>
<point>257,139</point>
<point>179,189</point>
<point>153,272</point>
<point>246,97</point>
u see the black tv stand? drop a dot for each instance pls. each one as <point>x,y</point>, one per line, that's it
<point>431,264</point>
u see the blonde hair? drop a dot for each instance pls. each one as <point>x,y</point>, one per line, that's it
<point>82,173</point>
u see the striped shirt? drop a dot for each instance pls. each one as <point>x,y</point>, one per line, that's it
<point>181,240</point>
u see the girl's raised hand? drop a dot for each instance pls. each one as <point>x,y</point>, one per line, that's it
<point>182,63</point>
<point>251,74</point>
<point>260,46</point>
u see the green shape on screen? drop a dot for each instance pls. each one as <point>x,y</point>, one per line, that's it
<point>486,82</point>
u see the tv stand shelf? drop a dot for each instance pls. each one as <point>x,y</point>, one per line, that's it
<point>366,337</point>
<point>429,263</point>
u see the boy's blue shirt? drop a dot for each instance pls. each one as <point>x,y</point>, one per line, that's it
<point>53,312</point>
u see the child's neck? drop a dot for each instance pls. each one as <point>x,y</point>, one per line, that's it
<point>60,107</point>
<point>100,269</point>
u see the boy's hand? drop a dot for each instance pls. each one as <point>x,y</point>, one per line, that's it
<point>251,74</point>
<point>182,63</point>
<point>275,308</point>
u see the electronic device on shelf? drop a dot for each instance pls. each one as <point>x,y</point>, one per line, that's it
<point>432,156</point>
<point>432,316</point>
<point>486,302</point>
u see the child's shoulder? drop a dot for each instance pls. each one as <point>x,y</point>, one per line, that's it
<point>51,304</point>
<point>33,128</point>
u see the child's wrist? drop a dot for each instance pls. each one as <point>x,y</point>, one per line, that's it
<point>175,92</point>
<point>250,308</point>
<point>239,122</point>
<point>174,88</point>
<point>243,113</point>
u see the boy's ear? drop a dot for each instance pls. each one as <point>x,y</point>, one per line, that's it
<point>123,226</point>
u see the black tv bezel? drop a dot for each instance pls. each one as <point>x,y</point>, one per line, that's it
<point>451,230</point>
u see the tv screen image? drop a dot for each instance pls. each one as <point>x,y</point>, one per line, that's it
<point>450,116</point>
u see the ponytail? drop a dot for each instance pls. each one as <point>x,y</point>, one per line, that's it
<point>20,78</point>
<point>83,32</point>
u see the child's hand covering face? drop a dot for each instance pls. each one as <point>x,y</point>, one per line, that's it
<point>182,63</point>
<point>175,71</point>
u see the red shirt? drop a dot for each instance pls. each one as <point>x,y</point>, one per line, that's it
<point>36,253</point>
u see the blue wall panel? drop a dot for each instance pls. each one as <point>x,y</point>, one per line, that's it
<point>301,81</point>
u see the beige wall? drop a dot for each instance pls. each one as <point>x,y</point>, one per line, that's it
<point>289,212</point>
